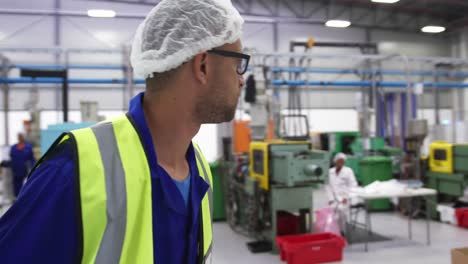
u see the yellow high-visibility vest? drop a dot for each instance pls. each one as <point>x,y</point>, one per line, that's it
<point>115,195</point>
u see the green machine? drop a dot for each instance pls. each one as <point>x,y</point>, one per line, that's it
<point>336,142</point>
<point>218,191</point>
<point>396,154</point>
<point>377,148</point>
<point>281,177</point>
<point>449,186</point>
<point>376,145</point>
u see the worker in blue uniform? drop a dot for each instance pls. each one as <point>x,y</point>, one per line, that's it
<point>80,209</point>
<point>22,160</point>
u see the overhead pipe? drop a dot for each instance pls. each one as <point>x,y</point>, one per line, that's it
<point>393,57</point>
<point>369,83</point>
<point>358,72</point>
<point>274,70</point>
<point>46,80</point>
<point>59,50</point>
<point>70,67</point>
<point>388,84</point>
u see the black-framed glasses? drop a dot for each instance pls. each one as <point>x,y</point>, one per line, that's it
<point>243,63</point>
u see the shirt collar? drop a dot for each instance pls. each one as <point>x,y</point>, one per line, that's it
<point>136,113</point>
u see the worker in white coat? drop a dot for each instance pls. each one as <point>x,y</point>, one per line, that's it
<point>341,182</point>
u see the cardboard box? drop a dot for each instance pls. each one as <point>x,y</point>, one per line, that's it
<point>459,255</point>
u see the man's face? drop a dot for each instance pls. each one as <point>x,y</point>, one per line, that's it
<point>219,102</point>
<point>340,163</point>
<point>20,138</point>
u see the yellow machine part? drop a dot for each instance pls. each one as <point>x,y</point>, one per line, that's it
<point>310,42</point>
<point>258,163</point>
<point>259,152</point>
<point>441,157</point>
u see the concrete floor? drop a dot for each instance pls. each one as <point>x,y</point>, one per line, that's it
<point>230,247</point>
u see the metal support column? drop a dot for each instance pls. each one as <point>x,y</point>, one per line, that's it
<point>4,63</point>
<point>57,43</point>
<point>436,96</point>
<point>375,101</point>
<point>275,37</point>
<point>128,75</point>
<point>409,112</point>
<point>65,95</point>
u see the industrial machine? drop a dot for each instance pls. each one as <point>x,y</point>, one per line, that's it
<point>448,171</point>
<point>336,142</point>
<point>291,162</point>
<point>278,176</point>
<point>441,157</point>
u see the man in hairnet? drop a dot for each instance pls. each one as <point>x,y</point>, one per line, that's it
<point>136,189</point>
<point>341,180</point>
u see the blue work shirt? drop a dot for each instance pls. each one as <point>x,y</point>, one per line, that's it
<point>22,159</point>
<point>42,226</point>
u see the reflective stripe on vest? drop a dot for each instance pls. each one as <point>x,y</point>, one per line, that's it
<point>115,191</point>
<point>207,205</point>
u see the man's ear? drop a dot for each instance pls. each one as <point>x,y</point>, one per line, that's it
<point>200,67</point>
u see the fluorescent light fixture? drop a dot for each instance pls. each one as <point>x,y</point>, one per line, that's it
<point>432,29</point>
<point>338,23</point>
<point>385,1</point>
<point>258,19</point>
<point>101,13</point>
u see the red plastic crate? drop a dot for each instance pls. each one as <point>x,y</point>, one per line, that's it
<point>311,248</point>
<point>462,216</point>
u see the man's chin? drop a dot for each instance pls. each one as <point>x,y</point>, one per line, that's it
<point>227,116</point>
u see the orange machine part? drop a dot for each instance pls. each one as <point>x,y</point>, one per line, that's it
<point>242,135</point>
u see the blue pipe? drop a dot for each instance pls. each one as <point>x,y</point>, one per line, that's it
<point>383,72</point>
<point>391,110</point>
<point>275,70</point>
<point>275,82</point>
<point>71,81</point>
<point>381,116</point>
<point>366,83</point>
<point>331,83</point>
<point>73,66</point>
<point>403,120</point>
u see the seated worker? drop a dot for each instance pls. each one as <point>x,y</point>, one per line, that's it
<point>341,180</point>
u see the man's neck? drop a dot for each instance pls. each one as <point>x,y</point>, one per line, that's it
<point>172,128</point>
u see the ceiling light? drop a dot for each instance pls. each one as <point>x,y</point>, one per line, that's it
<point>101,13</point>
<point>385,1</point>
<point>338,23</point>
<point>432,29</point>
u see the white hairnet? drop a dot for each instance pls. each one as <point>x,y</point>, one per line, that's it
<point>340,156</point>
<point>176,30</point>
